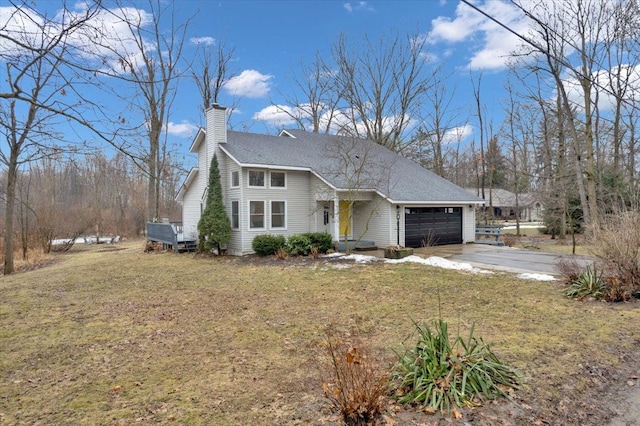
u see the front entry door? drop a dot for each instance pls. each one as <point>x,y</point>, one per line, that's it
<point>346,220</point>
<point>324,222</point>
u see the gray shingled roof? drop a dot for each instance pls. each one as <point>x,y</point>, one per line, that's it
<point>502,198</point>
<point>396,177</point>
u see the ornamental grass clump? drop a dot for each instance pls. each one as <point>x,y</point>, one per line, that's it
<point>587,284</point>
<point>353,381</point>
<point>440,375</point>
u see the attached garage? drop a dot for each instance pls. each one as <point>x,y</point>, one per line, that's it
<point>432,226</point>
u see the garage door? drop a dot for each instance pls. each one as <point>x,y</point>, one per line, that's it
<point>432,226</point>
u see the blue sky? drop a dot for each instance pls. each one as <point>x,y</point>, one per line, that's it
<point>272,39</point>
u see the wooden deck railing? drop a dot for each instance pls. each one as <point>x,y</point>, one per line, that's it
<point>165,233</point>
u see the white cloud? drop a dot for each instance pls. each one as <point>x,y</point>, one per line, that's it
<point>359,6</point>
<point>184,129</point>
<point>278,115</point>
<point>206,41</point>
<point>18,24</point>
<point>458,134</point>
<point>492,43</point>
<point>455,30</point>
<point>601,90</point>
<point>250,84</point>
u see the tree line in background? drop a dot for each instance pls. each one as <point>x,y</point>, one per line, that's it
<point>88,195</point>
<point>569,131</point>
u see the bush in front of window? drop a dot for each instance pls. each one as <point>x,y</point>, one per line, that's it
<point>298,245</point>
<point>267,245</point>
<point>322,240</point>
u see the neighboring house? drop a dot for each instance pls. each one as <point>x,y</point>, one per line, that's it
<point>504,204</point>
<point>308,182</point>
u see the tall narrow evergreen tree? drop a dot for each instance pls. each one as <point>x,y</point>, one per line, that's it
<point>214,226</point>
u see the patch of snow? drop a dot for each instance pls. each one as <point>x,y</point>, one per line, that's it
<point>341,266</point>
<point>60,241</point>
<point>336,254</point>
<point>537,277</point>
<point>360,258</point>
<point>439,262</point>
<point>91,239</point>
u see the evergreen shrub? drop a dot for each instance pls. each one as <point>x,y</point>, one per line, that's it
<point>267,245</point>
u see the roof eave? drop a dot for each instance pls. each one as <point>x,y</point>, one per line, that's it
<point>197,140</point>
<point>437,202</point>
<point>190,178</point>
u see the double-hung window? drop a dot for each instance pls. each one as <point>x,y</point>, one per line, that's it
<point>256,214</point>
<point>278,214</point>
<point>235,215</point>
<point>235,179</point>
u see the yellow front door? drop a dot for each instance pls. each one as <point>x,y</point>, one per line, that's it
<point>345,219</point>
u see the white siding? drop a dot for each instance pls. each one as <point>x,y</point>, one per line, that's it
<point>299,212</point>
<point>371,221</point>
<point>468,224</point>
<point>234,247</point>
<point>193,197</point>
<point>191,208</point>
<point>319,191</point>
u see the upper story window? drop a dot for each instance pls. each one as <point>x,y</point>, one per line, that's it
<point>278,180</point>
<point>235,179</point>
<point>256,178</point>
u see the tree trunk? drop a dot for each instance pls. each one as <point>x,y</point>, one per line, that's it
<point>590,171</point>
<point>152,190</point>
<point>12,174</point>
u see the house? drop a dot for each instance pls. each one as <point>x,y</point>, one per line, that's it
<point>300,182</point>
<point>503,204</point>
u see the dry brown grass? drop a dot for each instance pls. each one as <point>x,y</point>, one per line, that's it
<point>111,335</point>
<point>35,258</point>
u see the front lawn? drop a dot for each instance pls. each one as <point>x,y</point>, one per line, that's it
<point>111,335</point>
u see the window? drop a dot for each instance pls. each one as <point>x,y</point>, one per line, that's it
<point>256,214</point>
<point>235,215</point>
<point>256,178</point>
<point>278,179</point>
<point>235,179</point>
<point>278,214</point>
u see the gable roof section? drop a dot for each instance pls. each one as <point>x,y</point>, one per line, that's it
<point>398,179</point>
<point>197,140</point>
<point>190,178</point>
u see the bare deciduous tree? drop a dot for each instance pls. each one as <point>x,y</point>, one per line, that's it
<point>148,58</point>
<point>212,72</point>
<point>383,84</point>
<point>430,140</point>
<point>317,108</point>
<point>34,50</point>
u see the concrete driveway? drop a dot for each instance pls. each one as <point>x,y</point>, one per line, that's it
<point>501,258</point>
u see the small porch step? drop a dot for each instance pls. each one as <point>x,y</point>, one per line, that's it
<point>361,245</point>
<point>187,246</point>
